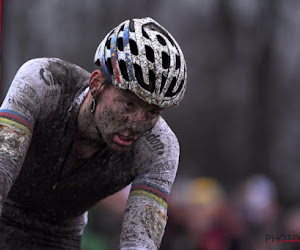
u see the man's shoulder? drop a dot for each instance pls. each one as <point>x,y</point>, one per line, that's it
<point>51,78</point>
<point>160,140</point>
<point>157,155</point>
<point>162,129</point>
<point>53,65</point>
<point>42,85</point>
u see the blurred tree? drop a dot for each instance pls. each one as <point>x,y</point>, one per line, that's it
<point>240,114</point>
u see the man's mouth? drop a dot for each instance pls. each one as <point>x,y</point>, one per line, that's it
<point>123,140</point>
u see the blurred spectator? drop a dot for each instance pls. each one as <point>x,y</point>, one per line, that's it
<point>199,217</point>
<point>256,201</point>
<point>203,216</point>
<point>260,201</point>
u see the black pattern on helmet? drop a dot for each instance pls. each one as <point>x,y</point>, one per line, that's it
<point>142,56</point>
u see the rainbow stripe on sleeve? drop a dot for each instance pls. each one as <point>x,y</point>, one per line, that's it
<point>150,191</point>
<point>16,120</point>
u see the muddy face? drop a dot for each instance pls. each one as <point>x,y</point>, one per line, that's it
<point>121,117</point>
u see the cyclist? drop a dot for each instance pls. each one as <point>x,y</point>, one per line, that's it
<point>69,138</point>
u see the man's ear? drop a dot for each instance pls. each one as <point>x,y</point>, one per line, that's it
<point>96,79</point>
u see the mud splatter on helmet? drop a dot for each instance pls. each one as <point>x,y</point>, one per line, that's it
<point>142,56</point>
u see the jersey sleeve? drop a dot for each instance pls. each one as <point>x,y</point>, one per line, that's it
<point>18,114</point>
<point>145,215</point>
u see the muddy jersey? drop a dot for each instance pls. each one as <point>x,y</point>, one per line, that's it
<point>45,186</point>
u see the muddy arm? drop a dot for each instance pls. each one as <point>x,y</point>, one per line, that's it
<point>17,116</point>
<point>145,215</point>
<point>11,149</point>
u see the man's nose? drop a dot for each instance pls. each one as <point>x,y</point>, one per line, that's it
<point>140,115</point>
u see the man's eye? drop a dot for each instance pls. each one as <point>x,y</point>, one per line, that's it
<point>154,113</point>
<point>128,105</point>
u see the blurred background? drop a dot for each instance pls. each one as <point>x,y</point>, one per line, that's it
<point>238,125</point>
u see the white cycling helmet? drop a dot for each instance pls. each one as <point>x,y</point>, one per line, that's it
<point>142,56</point>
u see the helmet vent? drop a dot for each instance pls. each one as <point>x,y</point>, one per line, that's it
<point>161,40</point>
<point>123,69</point>
<point>108,43</point>
<point>165,60</point>
<point>139,76</point>
<point>177,62</point>
<point>120,44</point>
<point>172,85</point>
<point>163,82</point>
<point>131,26</point>
<point>122,28</point>
<point>169,92</point>
<point>133,47</point>
<point>152,78</point>
<point>108,66</point>
<point>149,53</point>
<point>98,62</point>
<point>145,33</point>
<point>180,87</point>
<point>160,30</point>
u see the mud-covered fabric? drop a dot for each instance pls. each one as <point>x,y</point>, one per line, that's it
<point>30,232</point>
<point>49,184</point>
